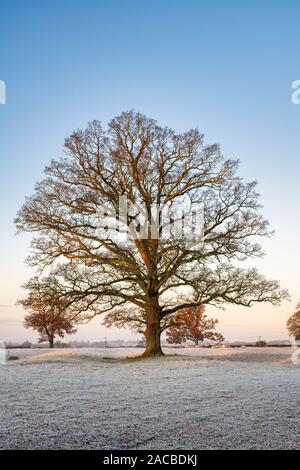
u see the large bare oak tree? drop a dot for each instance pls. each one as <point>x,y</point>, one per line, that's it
<point>158,276</point>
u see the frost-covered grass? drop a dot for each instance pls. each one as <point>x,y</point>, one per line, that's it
<point>196,399</point>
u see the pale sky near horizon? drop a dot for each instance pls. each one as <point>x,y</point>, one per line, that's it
<point>225,67</point>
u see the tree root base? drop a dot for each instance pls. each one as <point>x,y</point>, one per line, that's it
<point>147,354</point>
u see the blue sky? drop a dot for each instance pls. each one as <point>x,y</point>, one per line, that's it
<point>225,67</point>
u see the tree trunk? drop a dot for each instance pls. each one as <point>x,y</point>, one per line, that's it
<point>51,341</point>
<point>153,330</point>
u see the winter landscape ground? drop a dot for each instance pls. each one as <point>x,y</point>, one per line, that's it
<point>196,399</point>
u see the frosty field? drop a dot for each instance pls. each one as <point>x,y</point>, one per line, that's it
<point>197,399</point>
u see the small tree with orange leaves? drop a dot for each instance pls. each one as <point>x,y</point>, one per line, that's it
<point>48,313</point>
<point>192,324</point>
<point>293,324</point>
